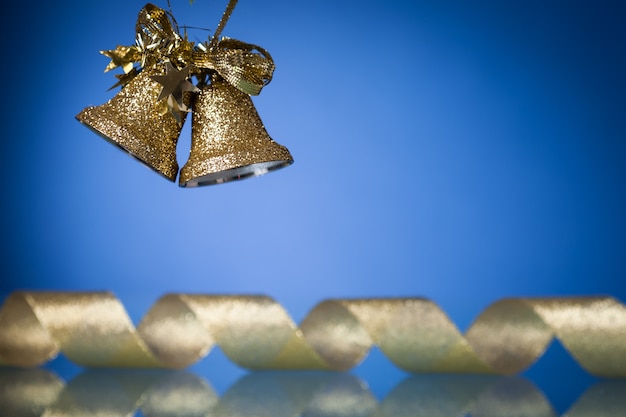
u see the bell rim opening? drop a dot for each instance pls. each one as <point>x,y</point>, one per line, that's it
<point>235,174</point>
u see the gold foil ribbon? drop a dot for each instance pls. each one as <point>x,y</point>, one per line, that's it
<point>247,67</point>
<point>255,332</point>
<point>37,392</point>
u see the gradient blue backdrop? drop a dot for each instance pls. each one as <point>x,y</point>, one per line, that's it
<point>461,151</point>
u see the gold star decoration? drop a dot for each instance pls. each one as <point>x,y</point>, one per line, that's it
<point>122,56</point>
<point>175,83</point>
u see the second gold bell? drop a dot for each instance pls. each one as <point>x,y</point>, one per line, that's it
<point>229,140</point>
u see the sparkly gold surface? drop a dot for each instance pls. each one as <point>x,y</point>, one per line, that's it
<point>230,138</point>
<point>227,135</point>
<point>37,392</point>
<point>92,329</point>
<point>135,121</point>
<point>246,66</point>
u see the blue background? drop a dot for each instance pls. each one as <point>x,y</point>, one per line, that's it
<point>461,151</point>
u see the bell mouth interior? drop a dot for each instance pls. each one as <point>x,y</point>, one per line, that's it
<point>234,174</point>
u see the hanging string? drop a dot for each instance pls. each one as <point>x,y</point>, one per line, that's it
<point>220,27</point>
<point>171,14</point>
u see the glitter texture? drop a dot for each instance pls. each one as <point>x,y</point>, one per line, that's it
<point>92,329</point>
<point>135,121</point>
<point>228,139</point>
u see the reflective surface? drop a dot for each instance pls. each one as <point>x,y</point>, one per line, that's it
<point>37,392</point>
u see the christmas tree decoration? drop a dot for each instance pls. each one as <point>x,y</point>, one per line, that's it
<point>146,117</point>
<point>255,332</point>
<point>228,139</point>
<point>135,121</point>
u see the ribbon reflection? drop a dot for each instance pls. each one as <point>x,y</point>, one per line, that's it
<point>37,392</point>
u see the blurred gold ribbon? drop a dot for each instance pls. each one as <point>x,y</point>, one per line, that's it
<point>255,332</point>
<point>37,392</point>
<point>246,66</point>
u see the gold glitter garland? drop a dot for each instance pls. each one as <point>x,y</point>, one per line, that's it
<point>36,392</point>
<point>255,332</point>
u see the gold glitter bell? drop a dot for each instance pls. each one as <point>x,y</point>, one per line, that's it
<point>134,121</point>
<point>228,139</point>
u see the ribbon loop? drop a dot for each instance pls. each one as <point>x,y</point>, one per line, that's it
<point>157,40</point>
<point>246,66</point>
<point>154,22</point>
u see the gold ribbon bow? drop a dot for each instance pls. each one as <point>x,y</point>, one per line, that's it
<point>157,40</point>
<point>246,66</point>
<point>92,329</point>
